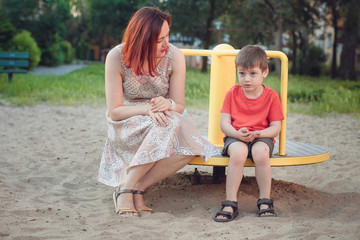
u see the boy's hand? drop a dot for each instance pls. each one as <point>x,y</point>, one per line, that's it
<point>244,135</point>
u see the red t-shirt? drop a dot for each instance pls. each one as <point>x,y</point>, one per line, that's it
<point>254,114</point>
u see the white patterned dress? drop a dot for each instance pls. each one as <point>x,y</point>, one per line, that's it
<point>137,140</point>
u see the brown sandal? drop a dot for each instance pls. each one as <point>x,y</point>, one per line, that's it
<point>123,211</point>
<point>144,209</point>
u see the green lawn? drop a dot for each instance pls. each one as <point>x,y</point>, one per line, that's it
<point>86,86</point>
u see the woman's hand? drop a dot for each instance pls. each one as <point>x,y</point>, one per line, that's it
<point>160,117</point>
<point>160,104</point>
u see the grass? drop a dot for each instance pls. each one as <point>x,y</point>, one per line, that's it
<point>308,95</point>
<point>84,86</point>
<point>319,95</point>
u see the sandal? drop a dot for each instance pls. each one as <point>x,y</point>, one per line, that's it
<point>143,208</point>
<point>270,209</point>
<point>123,211</point>
<point>228,215</point>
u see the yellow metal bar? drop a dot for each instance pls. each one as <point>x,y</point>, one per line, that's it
<point>283,96</point>
<point>223,77</point>
<point>274,160</point>
<point>196,52</point>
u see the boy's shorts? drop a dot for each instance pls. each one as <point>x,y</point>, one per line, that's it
<point>230,140</point>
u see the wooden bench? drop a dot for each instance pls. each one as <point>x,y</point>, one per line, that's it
<point>13,62</point>
<point>222,78</point>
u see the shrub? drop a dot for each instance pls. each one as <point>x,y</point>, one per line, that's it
<point>312,61</point>
<point>24,42</point>
<point>58,53</point>
<point>67,50</point>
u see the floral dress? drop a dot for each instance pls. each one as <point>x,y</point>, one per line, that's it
<point>138,140</point>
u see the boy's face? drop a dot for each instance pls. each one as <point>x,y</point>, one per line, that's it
<point>251,78</point>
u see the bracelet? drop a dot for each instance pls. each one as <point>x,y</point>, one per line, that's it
<point>173,105</point>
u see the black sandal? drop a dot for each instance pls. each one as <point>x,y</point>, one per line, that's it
<point>270,209</point>
<point>229,217</point>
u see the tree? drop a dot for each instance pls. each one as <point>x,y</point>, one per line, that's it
<point>108,19</point>
<point>44,19</point>
<point>194,18</point>
<point>301,25</point>
<point>333,9</point>
<point>350,13</point>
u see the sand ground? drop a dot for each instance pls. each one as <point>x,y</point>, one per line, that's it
<point>48,180</point>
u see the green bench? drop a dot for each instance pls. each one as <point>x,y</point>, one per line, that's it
<point>13,62</point>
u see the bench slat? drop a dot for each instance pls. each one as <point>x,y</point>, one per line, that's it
<point>13,71</point>
<point>14,55</point>
<point>14,63</point>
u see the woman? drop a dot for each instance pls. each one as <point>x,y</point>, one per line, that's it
<point>148,139</point>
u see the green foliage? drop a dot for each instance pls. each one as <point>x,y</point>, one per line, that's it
<point>67,52</point>
<point>7,32</point>
<point>20,12</point>
<point>108,19</point>
<point>314,57</point>
<point>45,21</point>
<point>24,42</point>
<point>58,53</point>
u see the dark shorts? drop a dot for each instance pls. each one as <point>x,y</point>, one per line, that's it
<point>230,140</point>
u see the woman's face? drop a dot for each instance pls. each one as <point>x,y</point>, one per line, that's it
<point>162,45</point>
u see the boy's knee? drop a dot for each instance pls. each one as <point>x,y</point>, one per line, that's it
<point>260,152</point>
<point>260,147</point>
<point>238,153</point>
<point>238,157</point>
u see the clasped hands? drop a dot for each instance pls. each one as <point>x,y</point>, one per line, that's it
<point>159,109</point>
<point>245,135</point>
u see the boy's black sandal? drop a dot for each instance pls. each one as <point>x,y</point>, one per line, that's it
<point>270,209</point>
<point>228,216</point>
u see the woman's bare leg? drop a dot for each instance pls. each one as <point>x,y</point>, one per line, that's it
<point>126,200</point>
<point>159,171</point>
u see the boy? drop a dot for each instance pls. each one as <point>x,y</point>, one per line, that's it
<point>250,118</point>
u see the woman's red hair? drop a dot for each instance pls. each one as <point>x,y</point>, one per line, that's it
<point>141,36</point>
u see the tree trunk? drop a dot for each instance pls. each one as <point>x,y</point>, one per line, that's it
<point>207,37</point>
<point>278,46</point>
<point>302,47</point>
<point>333,63</point>
<point>351,26</point>
<point>294,53</point>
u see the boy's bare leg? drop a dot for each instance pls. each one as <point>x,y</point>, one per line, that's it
<point>260,154</point>
<point>238,152</point>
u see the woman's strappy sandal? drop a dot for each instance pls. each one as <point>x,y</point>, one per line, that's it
<point>123,211</point>
<point>144,209</point>
<point>270,209</point>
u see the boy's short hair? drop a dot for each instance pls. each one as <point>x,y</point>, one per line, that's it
<point>251,56</point>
